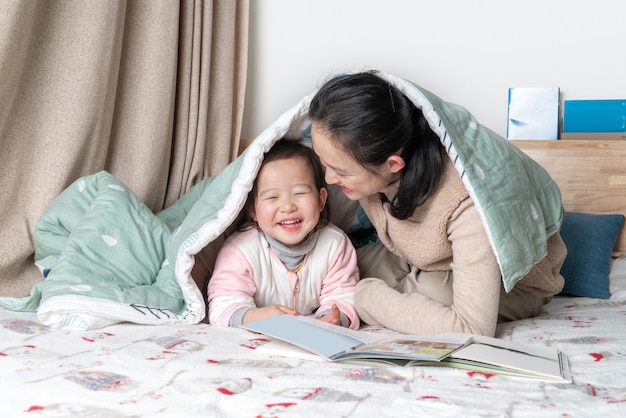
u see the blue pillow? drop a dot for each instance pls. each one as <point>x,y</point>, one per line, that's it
<point>589,239</point>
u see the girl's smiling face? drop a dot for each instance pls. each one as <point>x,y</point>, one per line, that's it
<point>287,203</point>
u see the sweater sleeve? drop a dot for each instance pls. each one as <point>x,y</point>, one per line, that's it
<point>231,288</point>
<point>476,288</point>
<point>477,280</point>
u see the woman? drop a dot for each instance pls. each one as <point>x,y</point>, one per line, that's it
<point>434,268</point>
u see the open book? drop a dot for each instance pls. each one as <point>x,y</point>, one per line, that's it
<point>306,337</point>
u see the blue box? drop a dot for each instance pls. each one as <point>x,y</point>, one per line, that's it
<point>594,116</point>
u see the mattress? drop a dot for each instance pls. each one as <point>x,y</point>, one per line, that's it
<point>209,371</point>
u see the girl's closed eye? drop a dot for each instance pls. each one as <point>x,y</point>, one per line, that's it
<point>269,197</point>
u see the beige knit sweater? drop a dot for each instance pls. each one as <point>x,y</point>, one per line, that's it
<point>446,233</point>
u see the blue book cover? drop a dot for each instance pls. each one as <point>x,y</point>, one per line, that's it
<point>594,116</point>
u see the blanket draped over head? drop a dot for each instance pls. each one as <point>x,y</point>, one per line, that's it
<point>107,258</point>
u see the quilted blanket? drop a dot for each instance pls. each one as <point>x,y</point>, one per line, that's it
<point>107,258</point>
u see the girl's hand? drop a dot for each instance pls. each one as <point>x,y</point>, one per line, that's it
<point>266,312</point>
<point>334,317</point>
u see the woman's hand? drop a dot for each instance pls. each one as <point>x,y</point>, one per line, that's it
<point>334,317</point>
<point>266,312</point>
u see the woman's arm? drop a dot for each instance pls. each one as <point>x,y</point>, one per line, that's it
<point>476,284</point>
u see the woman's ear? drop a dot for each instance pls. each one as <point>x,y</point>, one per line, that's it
<point>395,163</point>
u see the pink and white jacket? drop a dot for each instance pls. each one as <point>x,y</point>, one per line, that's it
<point>249,274</point>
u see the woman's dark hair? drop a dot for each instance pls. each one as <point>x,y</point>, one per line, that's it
<point>370,120</point>
<point>282,150</point>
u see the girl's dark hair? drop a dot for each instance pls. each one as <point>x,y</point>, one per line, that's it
<point>282,150</point>
<point>370,120</point>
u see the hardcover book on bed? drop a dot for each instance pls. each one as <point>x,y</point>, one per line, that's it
<point>466,351</point>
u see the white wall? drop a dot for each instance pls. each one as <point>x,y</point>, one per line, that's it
<point>466,51</point>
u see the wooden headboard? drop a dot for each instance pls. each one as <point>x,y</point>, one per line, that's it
<point>590,173</point>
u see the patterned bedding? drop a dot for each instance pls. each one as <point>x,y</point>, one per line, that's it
<point>188,370</point>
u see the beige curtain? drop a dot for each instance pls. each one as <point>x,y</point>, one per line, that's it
<point>151,91</point>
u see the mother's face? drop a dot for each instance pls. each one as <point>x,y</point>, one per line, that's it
<point>341,169</point>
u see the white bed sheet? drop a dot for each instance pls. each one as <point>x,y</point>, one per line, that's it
<point>205,371</point>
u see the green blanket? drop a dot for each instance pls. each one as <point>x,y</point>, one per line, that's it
<point>107,258</point>
<point>527,207</point>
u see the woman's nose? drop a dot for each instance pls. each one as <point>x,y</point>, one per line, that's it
<point>329,177</point>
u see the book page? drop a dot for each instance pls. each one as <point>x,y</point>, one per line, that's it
<point>526,359</point>
<point>502,357</point>
<point>276,347</point>
<point>311,334</point>
<point>533,350</point>
<point>409,347</point>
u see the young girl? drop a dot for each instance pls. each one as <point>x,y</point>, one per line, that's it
<point>434,269</point>
<point>285,258</point>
